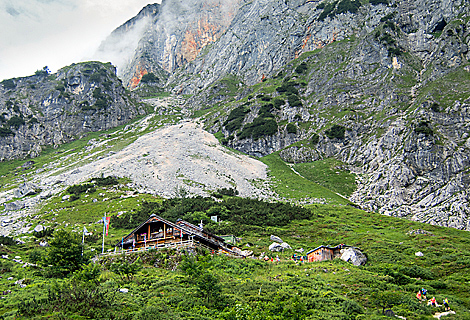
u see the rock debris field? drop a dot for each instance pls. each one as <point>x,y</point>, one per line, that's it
<point>163,162</point>
<point>180,156</point>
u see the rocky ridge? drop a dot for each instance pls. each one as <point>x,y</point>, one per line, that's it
<point>50,109</point>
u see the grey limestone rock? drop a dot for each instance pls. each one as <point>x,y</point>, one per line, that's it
<point>276,239</point>
<point>353,255</point>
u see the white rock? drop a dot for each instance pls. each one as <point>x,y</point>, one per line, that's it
<point>419,254</point>
<point>276,239</point>
<point>66,197</point>
<point>286,246</point>
<point>39,228</point>
<point>300,250</point>
<point>275,247</point>
<point>354,256</point>
<point>124,290</point>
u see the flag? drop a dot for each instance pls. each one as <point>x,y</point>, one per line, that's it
<point>106,221</point>
<point>181,233</point>
<point>133,242</point>
<point>85,231</point>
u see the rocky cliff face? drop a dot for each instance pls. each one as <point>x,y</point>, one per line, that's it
<point>50,109</point>
<point>176,34</point>
<point>382,86</point>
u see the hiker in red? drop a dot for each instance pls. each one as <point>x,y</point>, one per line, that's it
<point>433,301</point>
<point>418,295</point>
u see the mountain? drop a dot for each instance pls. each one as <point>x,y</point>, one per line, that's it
<point>380,85</point>
<point>51,109</point>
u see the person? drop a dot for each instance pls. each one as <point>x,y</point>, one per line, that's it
<point>277,258</point>
<point>423,293</point>
<point>445,302</point>
<point>433,301</point>
<point>418,295</point>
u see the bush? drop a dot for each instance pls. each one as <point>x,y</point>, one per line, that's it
<point>294,100</point>
<point>8,84</point>
<point>435,107</point>
<point>46,232</point>
<point>291,128</point>
<point>301,68</point>
<point>149,77</point>
<point>64,254</point>
<point>7,241</point>
<point>79,188</point>
<point>235,118</point>
<point>5,132</point>
<point>260,127</point>
<point>107,181</point>
<point>335,132</point>
<point>278,102</point>
<point>288,87</point>
<point>15,122</point>
<point>315,139</point>
<point>377,2</point>
<point>231,192</point>
<point>423,127</point>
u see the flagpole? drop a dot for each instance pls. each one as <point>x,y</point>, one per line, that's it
<point>83,239</point>
<point>104,228</point>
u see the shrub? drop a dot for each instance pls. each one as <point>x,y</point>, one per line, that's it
<point>15,122</point>
<point>107,181</point>
<point>149,77</point>
<point>228,192</point>
<point>46,232</point>
<point>79,188</point>
<point>260,127</point>
<point>423,127</point>
<point>235,118</point>
<point>5,132</point>
<point>377,2</point>
<point>294,100</point>
<point>301,68</point>
<point>8,84</point>
<point>288,87</point>
<point>315,139</point>
<point>291,128</point>
<point>7,241</point>
<point>64,254</point>
<point>278,102</point>
<point>335,132</point>
<point>435,107</point>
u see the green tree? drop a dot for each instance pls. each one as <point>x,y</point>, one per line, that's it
<point>64,254</point>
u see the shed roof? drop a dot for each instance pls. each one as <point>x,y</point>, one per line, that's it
<point>339,246</point>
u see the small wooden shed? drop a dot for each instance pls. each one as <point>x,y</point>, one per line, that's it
<point>323,253</point>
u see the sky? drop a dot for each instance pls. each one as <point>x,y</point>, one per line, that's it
<point>56,33</point>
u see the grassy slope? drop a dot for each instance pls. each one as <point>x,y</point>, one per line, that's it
<point>290,185</point>
<point>322,287</point>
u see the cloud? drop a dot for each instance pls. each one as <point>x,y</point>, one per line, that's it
<point>36,33</point>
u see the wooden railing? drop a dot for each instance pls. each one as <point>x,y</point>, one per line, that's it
<point>181,244</point>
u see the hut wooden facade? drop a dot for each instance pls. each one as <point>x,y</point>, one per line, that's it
<point>323,253</point>
<point>158,232</point>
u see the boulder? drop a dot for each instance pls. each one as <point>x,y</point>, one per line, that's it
<point>26,189</point>
<point>243,253</point>
<point>354,256</point>
<point>286,246</point>
<point>275,247</point>
<point>419,254</point>
<point>43,244</point>
<point>124,290</point>
<point>66,197</point>
<point>39,228</point>
<point>13,206</point>
<point>276,239</point>
<point>301,250</point>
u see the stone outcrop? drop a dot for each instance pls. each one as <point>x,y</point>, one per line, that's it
<point>170,35</point>
<point>50,109</point>
<point>354,256</point>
